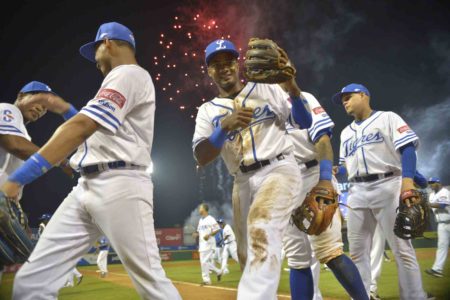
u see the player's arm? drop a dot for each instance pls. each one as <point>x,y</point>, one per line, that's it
<point>64,141</point>
<point>208,149</point>
<point>18,146</point>
<point>325,157</point>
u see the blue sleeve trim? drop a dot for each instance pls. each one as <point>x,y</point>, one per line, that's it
<point>10,128</point>
<point>409,160</point>
<point>106,113</point>
<point>101,117</point>
<point>33,168</point>
<point>300,114</point>
<point>404,139</point>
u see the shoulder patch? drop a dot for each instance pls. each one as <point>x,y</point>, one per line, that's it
<point>403,128</point>
<point>113,96</point>
<point>318,110</point>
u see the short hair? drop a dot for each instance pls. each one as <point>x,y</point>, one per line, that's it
<point>205,206</point>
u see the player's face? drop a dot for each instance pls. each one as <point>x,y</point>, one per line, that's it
<point>31,107</point>
<point>202,211</point>
<point>223,68</point>
<point>353,103</point>
<point>435,186</point>
<point>103,57</point>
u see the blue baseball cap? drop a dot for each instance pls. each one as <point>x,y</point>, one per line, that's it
<point>36,87</point>
<point>112,31</point>
<point>351,88</point>
<point>218,46</point>
<point>434,180</point>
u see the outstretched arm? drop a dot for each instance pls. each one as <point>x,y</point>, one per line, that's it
<point>325,158</point>
<point>64,141</point>
<point>18,146</point>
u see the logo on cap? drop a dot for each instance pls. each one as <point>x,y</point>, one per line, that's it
<point>221,45</point>
<point>104,34</point>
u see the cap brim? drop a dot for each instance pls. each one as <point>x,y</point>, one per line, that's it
<point>234,52</point>
<point>337,98</point>
<point>88,51</point>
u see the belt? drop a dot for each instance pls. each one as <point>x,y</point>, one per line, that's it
<point>371,177</point>
<point>259,164</point>
<point>120,164</point>
<point>311,163</point>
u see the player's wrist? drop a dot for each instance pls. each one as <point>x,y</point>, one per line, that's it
<point>33,168</point>
<point>218,137</point>
<point>326,169</point>
<point>69,112</point>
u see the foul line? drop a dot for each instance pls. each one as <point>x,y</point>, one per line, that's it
<point>204,286</point>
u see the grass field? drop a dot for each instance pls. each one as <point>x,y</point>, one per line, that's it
<point>186,275</point>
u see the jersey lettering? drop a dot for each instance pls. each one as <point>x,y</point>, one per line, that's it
<point>7,115</point>
<point>352,144</point>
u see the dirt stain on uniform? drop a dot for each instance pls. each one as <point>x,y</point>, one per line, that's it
<point>258,246</point>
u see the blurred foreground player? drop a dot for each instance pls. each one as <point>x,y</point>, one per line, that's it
<point>114,196</point>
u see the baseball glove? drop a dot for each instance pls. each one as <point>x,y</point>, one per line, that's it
<point>265,62</point>
<point>317,211</point>
<point>411,221</point>
<point>15,243</point>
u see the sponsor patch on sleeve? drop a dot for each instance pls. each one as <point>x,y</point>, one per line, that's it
<point>318,110</point>
<point>113,96</point>
<point>403,128</point>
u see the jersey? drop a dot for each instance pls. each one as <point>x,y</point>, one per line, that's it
<point>124,107</point>
<point>372,146</point>
<point>11,123</point>
<point>304,139</point>
<point>442,196</point>
<point>263,139</point>
<point>228,234</point>
<point>206,225</point>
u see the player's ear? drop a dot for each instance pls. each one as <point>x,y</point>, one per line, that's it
<point>210,71</point>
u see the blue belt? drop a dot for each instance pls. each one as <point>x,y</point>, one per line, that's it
<point>120,164</point>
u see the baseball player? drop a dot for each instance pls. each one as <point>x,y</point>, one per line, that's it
<point>102,258</point>
<point>314,155</point>
<point>31,104</point>
<point>229,246</point>
<point>219,246</point>
<point>114,134</point>
<point>440,203</point>
<point>378,153</point>
<point>245,124</point>
<point>206,230</point>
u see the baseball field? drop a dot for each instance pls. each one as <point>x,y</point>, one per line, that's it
<point>186,276</point>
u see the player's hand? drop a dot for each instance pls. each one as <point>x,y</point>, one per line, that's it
<point>408,184</point>
<point>240,118</point>
<point>195,235</point>
<point>335,170</point>
<point>325,184</point>
<point>206,237</point>
<point>65,167</point>
<point>11,190</point>
<point>56,104</point>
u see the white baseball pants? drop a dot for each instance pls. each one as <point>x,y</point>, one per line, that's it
<point>102,261</point>
<point>376,257</point>
<point>263,201</point>
<point>115,203</point>
<point>229,249</point>
<point>207,264</point>
<point>383,200</point>
<point>443,231</point>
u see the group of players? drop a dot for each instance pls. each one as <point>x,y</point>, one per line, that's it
<point>274,139</point>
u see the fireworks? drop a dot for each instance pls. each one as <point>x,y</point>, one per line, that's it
<point>178,60</point>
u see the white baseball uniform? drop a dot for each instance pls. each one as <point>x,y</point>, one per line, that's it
<point>443,227</point>
<point>207,248</point>
<point>117,203</point>
<point>376,258</point>
<point>329,244</point>
<point>262,199</point>
<point>229,246</point>
<point>371,147</point>
<point>11,123</point>
<point>102,258</point>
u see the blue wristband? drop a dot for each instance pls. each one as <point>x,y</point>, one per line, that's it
<point>326,169</point>
<point>33,168</point>
<point>341,170</point>
<point>70,113</point>
<point>300,114</point>
<point>218,137</point>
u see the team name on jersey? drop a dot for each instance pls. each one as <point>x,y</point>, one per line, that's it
<point>259,114</point>
<point>352,144</point>
<point>106,104</point>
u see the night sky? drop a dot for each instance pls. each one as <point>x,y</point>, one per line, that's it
<point>399,49</point>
